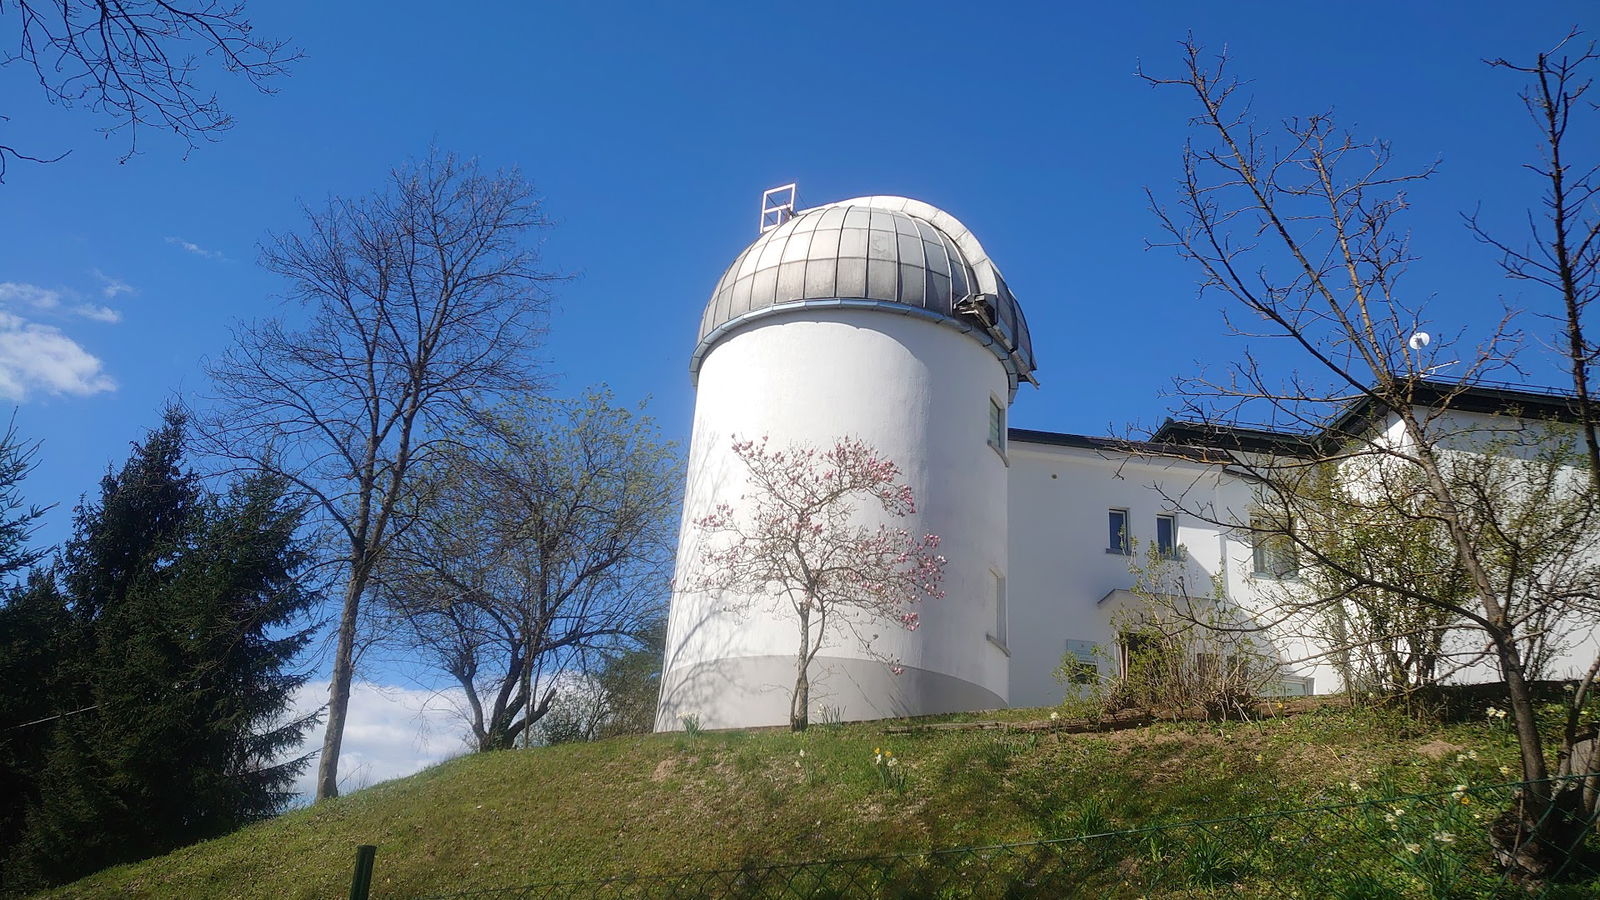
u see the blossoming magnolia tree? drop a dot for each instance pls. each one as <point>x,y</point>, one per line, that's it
<point>798,537</point>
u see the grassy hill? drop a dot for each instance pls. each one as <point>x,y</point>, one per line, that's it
<point>674,803</point>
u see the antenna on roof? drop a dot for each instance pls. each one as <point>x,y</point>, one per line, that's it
<point>777,206</point>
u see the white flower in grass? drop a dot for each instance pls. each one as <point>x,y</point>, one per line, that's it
<point>1054,716</point>
<point>1414,848</point>
<point>1444,837</point>
<point>1505,770</point>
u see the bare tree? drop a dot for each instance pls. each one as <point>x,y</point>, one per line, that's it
<point>1297,230</point>
<point>136,61</point>
<point>1388,645</point>
<point>546,539</point>
<point>618,696</point>
<point>1183,644</point>
<point>1562,255</point>
<point>1563,252</point>
<point>419,303</point>
<point>799,539</point>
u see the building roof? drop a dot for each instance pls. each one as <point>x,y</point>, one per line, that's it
<point>1200,440</point>
<point>890,253</point>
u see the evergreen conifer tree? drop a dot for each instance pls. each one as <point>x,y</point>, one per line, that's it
<point>183,612</point>
<point>31,622</point>
<point>33,633</point>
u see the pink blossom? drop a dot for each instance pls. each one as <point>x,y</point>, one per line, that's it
<point>797,537</point>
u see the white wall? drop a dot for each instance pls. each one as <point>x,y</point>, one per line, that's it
<point>1458,435</point>
<point>1060,498</point>
<point>919,393</point>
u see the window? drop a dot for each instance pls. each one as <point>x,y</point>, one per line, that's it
<point>1079,665</point>
<point>1119,532</point>
<point>1137,654</point>
<point>1272,548</point>
<point>1167,536</point>
<point>999,634</point>
<point>997,425</point>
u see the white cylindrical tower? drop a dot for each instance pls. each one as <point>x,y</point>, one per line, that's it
<point>879,318</point>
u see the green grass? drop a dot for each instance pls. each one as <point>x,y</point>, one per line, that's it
<point>673,803</point>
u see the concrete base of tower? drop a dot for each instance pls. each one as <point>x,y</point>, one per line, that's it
<point>754,691</point>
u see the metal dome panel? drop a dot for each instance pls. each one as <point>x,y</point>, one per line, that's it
<point>873,251</point>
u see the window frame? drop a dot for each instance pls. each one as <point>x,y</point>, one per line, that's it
<point>1263,536</point>
<point>1001,623</point>
<point>1080,663</point>
<point>995,426</point>
<point>1173,550</point>
<point>1123,546</point>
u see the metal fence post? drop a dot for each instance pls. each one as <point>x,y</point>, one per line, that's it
<point>361,878</point>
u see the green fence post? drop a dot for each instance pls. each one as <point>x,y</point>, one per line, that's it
<point>361,878</point>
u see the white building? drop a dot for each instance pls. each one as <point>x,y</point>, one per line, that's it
<point>884,318</point>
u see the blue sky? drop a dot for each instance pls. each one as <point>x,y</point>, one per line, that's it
<point>651,131</point>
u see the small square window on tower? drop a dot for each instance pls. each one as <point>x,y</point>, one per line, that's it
<point>997,425</point>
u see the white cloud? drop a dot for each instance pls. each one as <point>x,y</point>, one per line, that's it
<point>18,294</point>
<point>390,732</point>
<point>192,247</point>
<point>110,287</point>
<point>98,313</point>
<point>36,357</point>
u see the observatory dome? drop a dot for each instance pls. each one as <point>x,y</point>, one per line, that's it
<point>890,253</point>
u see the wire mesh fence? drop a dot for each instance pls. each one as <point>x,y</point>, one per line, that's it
<point>1434,846</point>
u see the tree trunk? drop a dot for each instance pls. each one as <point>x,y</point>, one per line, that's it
<point>1520,697</point>
<point>800,702</point>
<point>339,689</point>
